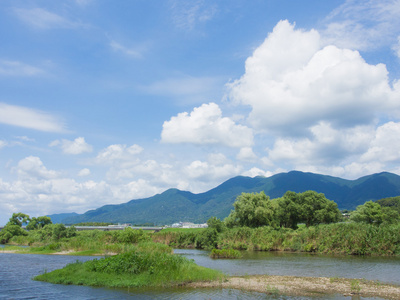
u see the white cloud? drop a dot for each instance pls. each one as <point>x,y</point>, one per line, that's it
<point>77,146</point>
<point>186,15</point>
<point>292,84</point>
<point>17,68</point>
<point>118,152</point>
<point>246,154</point>
<point>351,153</point>
<point>84,172</point>
<point>205,171</point>
<point>186,89</point>
<point>125,50</point>
<point>396,47</point>
<point>364,24</point>
<point>385,145</point>
<point>2,144</point>
<point>253,172</point>
<point>43,19</point>
<point>32,168</point>
<point>205,125</point>
<point>30,118</point>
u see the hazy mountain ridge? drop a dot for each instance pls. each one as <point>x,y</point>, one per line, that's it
<point>174,205</point>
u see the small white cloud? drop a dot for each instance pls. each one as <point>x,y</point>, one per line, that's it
<point>25,138</point>
<point>32,167</point>
<point>84,172</point>
<point>253,172</point>
<point>186,89</point>
<point>204,171</point>
<point>125,50</point>
<point>205,125</point>
<point>17,68</point>
<point>3,144</point>
<point>186,15</point>
<point>30,118</point>
<point>118,152</point>
<point>43,19</point>
<point>246,154</point>
<point>76,146</point>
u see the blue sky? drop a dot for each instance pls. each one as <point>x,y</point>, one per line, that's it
<point>102,102</point>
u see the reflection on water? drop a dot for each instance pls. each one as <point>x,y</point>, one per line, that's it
<point>16,271</point>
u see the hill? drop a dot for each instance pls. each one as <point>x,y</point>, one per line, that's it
<point>174,205</point>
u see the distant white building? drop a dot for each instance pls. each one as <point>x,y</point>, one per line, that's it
<point>188,225</point>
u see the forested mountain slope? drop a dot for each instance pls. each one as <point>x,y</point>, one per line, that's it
<point>174,205</point>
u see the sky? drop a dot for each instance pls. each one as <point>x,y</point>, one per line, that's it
<point>102,102</point>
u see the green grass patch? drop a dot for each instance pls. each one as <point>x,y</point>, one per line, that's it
<point>225,253</point>
<point>148,265</point>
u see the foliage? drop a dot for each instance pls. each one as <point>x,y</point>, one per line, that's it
<point>251,210</point>
<point>310,207</point>
<point>130,235</point>
<point>316,209</point>
<point>146,265</point>
<point>10,231</point>
<point>39,222</point>
<point>216,223</point>
<point>55,232</point>
<point>18,219</point>
<point>391,202</point>
<point>225,253</point>
<point>207,238</point>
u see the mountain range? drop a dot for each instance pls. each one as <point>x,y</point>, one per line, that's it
<point>175,205</point>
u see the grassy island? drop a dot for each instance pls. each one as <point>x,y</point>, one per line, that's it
<point>147,265</point>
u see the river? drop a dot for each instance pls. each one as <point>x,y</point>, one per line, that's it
<point>16,271</point>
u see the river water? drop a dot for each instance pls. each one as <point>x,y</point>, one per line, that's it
<point>16,271</point>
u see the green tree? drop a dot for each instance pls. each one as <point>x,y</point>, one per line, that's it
<point>370,212</point>
<point>18,219</point>
<point>10,231</point>
<point>288,210</point>
<point>39,222</point>
<point>216,223</point>
<point>316,209</point>
<point>251,210</point>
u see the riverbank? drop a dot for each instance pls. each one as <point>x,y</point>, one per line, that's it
<point>305,286</point>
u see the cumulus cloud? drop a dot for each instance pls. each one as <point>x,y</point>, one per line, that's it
<point>246,154</point>
<point>352,152</point>
<point>32,168</point>
<point>292,83</point>
<point>76,146</point>
<point>30,118</point>
<point>205,125</point>
<point>253,172</point>
<point>118,152</point>
<point>2,144</point>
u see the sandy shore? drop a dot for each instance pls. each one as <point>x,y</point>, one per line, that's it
<point>306,286</point>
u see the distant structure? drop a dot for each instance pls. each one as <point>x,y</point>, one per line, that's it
<point>188,225</point>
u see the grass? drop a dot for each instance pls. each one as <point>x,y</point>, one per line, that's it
<point>225,253</point>
<point>148,265</point>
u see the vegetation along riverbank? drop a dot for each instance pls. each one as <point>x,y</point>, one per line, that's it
<point>305,222</point>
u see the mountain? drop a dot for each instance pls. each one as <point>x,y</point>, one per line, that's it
<point>174,205</point>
